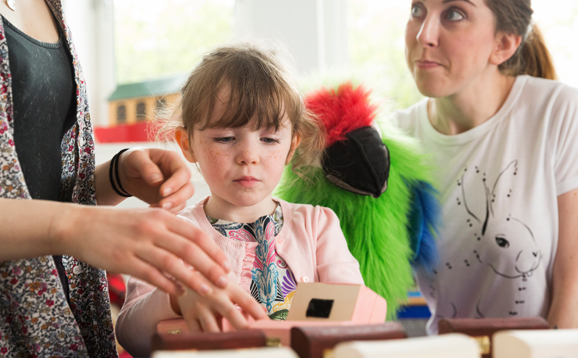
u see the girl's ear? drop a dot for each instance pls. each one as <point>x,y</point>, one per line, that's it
<point>506,46</point>
<point>294,144</point>
<point>182,138</point>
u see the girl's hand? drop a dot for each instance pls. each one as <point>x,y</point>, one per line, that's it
<point>156,176</point>
<point>204,314</point>
<point>144,243</point>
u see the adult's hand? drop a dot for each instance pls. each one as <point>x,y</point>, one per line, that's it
<point>157,176</point>
<point>203,314</point>
<point>144,243</point>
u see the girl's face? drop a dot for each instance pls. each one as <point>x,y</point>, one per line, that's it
<point>242,166</point>
<point>450,44</point>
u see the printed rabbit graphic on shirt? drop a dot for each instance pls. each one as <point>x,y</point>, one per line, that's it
<point>500,242</point>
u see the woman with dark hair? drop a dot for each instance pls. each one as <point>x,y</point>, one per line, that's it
<point>54,241</point>
<point>503,135</point>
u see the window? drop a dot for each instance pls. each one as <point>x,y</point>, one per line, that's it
<point>161,38</point>
<point>377,49</point>
<point>121,114</point>
<point>161,104</point>
<point>141,112</point>
<point>558,21</point>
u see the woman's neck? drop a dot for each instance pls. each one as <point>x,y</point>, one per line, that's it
<point>34,18</point>
<point>470,107</point>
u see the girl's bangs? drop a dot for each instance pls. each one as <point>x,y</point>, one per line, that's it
<point>259,104</point>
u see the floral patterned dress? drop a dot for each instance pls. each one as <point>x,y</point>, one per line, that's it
<point>272,282</point>
<point>35,317</point>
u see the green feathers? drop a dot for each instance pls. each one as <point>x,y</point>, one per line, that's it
<point>375,229</point>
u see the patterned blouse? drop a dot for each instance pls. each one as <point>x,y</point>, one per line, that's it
<point>272,282</point>
<point>35,318</point>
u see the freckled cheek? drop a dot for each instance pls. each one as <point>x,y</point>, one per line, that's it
<point>276,160</point>
<point>277,155</point>
<point>214,168</point>
<point>213,159</point>
<point>217,156</point>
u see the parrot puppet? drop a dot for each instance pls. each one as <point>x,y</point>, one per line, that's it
<point>375,178</point>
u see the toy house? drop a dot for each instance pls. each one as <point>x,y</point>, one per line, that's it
<point>132,105</point>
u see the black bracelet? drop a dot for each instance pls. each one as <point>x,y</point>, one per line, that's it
<point>114,167</point>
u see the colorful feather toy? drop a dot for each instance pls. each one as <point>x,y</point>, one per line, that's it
<point>388,231</point>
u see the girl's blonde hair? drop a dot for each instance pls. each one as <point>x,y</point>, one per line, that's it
<point>262,92</point>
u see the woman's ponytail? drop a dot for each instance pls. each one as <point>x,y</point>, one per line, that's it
<point>532,57</point>
<point>536,59</point>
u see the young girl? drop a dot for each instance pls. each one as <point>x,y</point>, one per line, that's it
<point>243,120</point>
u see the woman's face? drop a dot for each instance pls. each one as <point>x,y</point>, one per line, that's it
<point>449,44</point>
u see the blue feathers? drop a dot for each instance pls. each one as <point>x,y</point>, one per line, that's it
<point>423,221</point>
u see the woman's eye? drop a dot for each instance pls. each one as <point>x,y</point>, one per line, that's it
<point>223,139</point>
<point>269,140</point>
<point>454,15</point>
<point>416,11</point>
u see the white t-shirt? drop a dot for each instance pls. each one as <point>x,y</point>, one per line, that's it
<point>499,184</point>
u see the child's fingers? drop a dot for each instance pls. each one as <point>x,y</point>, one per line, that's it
<point>248,304</point>
<point>208,321</point>
<point>233,315</point>
<point>193,324</point>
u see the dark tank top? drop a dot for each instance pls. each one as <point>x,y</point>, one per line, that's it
<point>44,97</point>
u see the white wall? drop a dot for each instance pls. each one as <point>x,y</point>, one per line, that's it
<point>92,26</point>
<point>314,31</point>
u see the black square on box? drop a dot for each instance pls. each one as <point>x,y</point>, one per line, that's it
<point>319,308</point>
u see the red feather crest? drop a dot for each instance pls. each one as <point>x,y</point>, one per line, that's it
<point>341,111</point>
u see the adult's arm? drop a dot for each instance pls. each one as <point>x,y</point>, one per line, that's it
<point>138,242</point>
<point>564,307</point>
